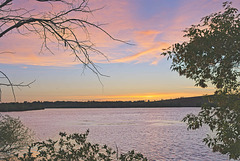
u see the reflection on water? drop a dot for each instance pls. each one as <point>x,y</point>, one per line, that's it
<point>158,133</point>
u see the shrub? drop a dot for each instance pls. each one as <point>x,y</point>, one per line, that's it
<point>75,147</point>
<point>14,136</point>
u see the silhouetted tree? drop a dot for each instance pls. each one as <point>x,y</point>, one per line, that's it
<point>14,136</point>
<point>63,27</point>
<point>212,55</point>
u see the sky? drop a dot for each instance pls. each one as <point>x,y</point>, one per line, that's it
<point>135,72</point>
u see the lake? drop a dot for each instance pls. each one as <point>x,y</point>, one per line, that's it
<point>158,133</point>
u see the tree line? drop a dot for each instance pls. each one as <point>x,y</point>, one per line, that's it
<point>37,105</point>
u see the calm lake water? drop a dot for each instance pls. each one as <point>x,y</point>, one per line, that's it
<point>158,133</point>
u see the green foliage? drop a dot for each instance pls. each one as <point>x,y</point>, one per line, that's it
<point>13,136</point>
<point>223,118</point>
<point>131,156</point>
<point>74,147</point>
<point>212,55</point>
<point>213,51</point>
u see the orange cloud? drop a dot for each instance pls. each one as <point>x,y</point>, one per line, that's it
<point>149,32</point>
<point>146,39</point>
<point>129,97</point>
<point>152,54</point>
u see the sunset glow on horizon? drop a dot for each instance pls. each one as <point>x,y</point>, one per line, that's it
<point>136,72</point>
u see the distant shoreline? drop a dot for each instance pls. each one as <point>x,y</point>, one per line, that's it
<point>179,102</point>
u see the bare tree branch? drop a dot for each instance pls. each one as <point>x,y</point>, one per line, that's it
<point>60,27</point>
<point>10,84</point>
<point>5,3</point>
<point>63,28</point>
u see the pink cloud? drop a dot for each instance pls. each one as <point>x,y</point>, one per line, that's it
<point>120,24</point>
<point>149,35</point>
<point>189,13</point>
